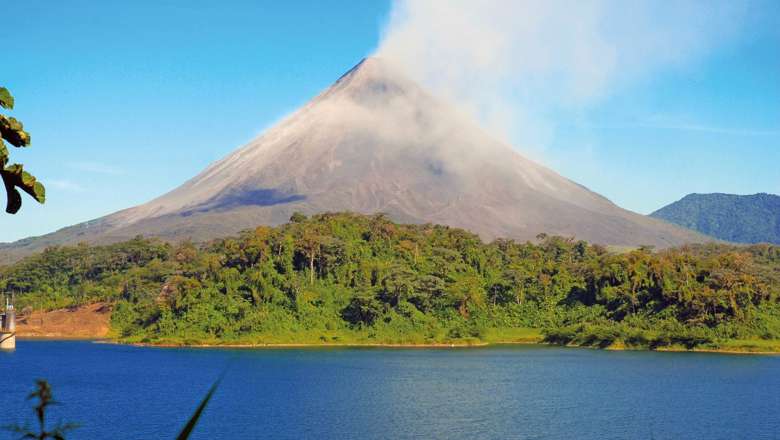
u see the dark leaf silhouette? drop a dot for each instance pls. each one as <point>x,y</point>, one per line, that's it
<point>43,394</point>
<point>185,433</point>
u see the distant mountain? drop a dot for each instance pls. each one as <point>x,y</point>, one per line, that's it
<point>731,217</point>
<point>372,142</point>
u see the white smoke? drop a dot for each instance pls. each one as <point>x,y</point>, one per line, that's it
<point>514,63</point>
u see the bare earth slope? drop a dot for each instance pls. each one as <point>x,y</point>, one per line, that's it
<point>89,321</point>
<point>376,142</point>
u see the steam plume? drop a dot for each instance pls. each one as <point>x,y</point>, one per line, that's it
<point>512,63</point>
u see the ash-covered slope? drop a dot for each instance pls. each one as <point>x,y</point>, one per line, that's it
<point>376,142</point>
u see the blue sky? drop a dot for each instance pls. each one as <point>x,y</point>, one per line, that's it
<point>127,100</point>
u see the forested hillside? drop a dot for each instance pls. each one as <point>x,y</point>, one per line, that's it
<point>739,219</point>
<point>341,278</point>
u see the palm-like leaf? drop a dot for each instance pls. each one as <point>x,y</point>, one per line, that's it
<point>185,433</point>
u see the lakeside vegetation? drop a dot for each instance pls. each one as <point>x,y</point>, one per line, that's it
<point>346,278</point>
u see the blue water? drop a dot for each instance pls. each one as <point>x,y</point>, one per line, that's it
<point>523,392</point>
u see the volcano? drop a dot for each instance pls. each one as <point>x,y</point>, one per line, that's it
<point>375,141</point>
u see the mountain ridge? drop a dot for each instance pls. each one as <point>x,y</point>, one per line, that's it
<point>753,218</point>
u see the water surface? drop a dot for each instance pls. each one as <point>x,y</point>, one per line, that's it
<point>508,392</point>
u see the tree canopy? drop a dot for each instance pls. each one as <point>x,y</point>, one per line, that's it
<point>342,277</point>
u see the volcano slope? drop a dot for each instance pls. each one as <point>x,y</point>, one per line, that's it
<point>373,142</point>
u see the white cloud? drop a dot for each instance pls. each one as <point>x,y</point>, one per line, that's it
<point>64,185</point>
<point>682,123</point>
<point>96,167</point>
<point>515,63</point>
<point>711,129</point>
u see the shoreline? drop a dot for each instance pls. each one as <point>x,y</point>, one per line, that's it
<point>55,337</point>
<point>716,350</point>
<point>736,347</point>
<point>482,344</point>
<point>316,345</point>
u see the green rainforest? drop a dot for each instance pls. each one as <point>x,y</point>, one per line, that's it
<point>343,278</point>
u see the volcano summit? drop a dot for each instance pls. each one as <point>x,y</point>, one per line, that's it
<point>375,141</point>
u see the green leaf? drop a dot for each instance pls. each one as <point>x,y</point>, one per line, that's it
<point>14,177</point>
<point>27,179</point>
<point>13,131</point>
<point>3,154</point>
<point>6,100</point>
<point>40,192</point>
<point>14,169</point>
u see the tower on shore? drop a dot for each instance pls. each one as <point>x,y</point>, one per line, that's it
<point>8,326</point>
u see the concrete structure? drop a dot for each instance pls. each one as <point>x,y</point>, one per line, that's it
<point>8,327</point>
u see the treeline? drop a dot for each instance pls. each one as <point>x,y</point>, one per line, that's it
<point>350,278</point>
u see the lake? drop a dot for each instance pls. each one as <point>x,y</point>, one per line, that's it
<point>505,392</point>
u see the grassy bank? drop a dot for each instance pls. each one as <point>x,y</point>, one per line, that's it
<point>348,338</point>
<point>617,337</point>
<point>502,336</point>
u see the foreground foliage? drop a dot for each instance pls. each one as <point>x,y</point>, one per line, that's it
<point>13,175</point>
<point>43,394</point>
<point>45,399</point>
<point>347,278</point>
